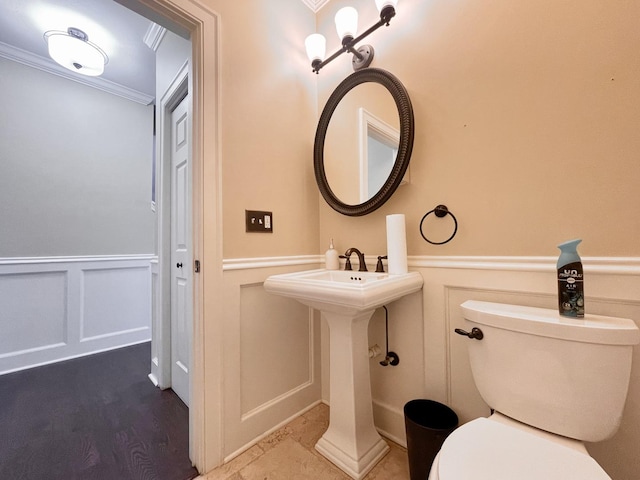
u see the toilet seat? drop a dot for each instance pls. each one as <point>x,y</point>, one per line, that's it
<point>484,449</point>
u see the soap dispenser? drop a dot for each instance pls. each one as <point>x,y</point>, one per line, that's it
<point>570,280</point>
<point>331,261</point>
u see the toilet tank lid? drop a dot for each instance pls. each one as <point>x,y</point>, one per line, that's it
<point>549,323</point>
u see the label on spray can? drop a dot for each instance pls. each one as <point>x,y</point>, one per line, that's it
<point>570,288</point>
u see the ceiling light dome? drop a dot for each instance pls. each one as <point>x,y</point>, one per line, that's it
<point>73,50</point>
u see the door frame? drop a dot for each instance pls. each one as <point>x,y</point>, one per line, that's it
<point>205,412</point>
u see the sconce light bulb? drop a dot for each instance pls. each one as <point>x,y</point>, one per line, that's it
<point>316,46</point>
<point>386,3</point>
<point>347,22</point>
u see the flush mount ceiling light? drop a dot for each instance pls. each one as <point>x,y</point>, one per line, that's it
<point>73,50</point>
<point>347,25</point>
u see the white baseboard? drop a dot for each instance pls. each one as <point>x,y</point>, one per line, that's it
<point>390,422</point>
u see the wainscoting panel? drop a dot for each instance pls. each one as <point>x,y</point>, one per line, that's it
<point>56,308</point>
<point>611,288</point>
<point>433,359</point>
<point>271,356</point>
<point>33,312</point>
<point>111,301</point>
<point>272,365</point>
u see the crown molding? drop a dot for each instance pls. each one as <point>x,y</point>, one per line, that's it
<point>35,61</point>
<point>153,37</point>
<point>315,5</point>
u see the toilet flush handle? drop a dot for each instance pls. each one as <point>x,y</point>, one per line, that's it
<point>475,333</point>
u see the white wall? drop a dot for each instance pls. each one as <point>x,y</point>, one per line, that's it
<point>171,54</point>
<point>75,176</point>
<point>77,227</point>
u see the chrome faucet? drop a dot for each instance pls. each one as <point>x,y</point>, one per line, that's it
<point>347,255</point>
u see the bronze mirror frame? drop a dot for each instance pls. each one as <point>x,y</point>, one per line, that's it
<point>405,147</point>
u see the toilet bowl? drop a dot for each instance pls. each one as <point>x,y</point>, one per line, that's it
<point>486,449</point>
<point>543,375</point>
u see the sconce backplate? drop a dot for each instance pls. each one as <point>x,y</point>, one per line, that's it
<point>367,57</point>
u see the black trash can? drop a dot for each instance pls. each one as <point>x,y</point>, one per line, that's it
<point>428,424</point>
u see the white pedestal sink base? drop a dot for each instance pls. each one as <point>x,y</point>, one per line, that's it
<point>351,442</point>
<point>354,468</point>
<point>347,301</point>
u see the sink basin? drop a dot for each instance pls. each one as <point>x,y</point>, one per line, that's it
<point>347,301</point>
<point>345,292</point>
<point>340,276</point>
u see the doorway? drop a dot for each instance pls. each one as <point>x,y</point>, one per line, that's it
<point>202,24</point>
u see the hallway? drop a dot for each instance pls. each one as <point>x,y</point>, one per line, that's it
<point>96,417</point>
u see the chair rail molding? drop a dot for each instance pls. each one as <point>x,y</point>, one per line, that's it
<point>267,262</point>
<point>598,265</point>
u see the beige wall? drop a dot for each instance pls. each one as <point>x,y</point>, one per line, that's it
<point>268,121</point>
<point>526,125</point>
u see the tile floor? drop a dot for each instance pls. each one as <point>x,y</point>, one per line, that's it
<point>289,453</point>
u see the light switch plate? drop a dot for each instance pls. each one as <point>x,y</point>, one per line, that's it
<point>259,221</point>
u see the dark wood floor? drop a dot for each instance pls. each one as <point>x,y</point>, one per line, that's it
<point>97,417</point>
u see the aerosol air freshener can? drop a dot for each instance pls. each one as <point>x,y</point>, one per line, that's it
<point>570,280</point>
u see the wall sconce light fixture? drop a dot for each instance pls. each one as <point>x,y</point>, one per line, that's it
<point>73,50</point>
<point>347,25</point>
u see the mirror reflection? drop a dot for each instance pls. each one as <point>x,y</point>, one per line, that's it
<point>361,144</point>
<point>378,151</point>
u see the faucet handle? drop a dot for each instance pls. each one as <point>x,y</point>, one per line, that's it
<point>379,265</point>
<point>347,264</point>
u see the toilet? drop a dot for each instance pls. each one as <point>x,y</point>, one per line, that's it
<point>552,383</point>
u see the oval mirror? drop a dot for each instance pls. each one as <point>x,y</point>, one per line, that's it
<point>363,142</point>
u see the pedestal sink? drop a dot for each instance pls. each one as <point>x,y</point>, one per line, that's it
<point>347,301</point>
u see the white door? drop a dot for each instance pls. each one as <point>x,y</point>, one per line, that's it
<point>181,264</point>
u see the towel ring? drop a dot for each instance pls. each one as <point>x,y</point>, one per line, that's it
<point>440,211</point>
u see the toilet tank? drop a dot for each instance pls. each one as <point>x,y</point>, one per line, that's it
<point>562,375</point>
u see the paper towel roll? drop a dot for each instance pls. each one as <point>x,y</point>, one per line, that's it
<point>396,244</point>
